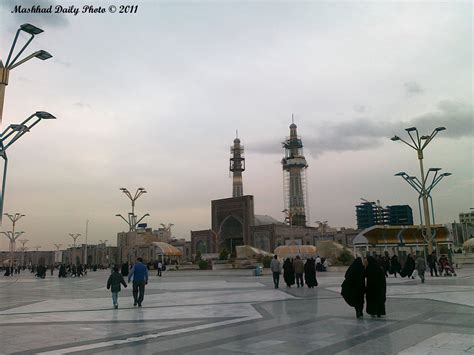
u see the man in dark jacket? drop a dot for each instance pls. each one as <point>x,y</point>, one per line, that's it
<point>113,283</point>
<point>139,273</point>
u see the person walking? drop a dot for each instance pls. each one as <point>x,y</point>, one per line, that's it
<point>421,268</point>
<point>159,267</point>
<point>353,287</point>
<point>113,283</point>
<point>395,266</point>
<point>288,273</point>
<point>139,273</point>
<point>299,269</point>
<point>433,264</point>
<point>375,291</point>
<point>310,273</point>
<point>275,266</point>
<point>409,267</point>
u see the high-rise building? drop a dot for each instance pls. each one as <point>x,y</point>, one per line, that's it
<point>400,215</point>
<point>294,170</point>
<point>370,214</point>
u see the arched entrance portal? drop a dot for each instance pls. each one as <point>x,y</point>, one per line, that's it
<point>231,233</point>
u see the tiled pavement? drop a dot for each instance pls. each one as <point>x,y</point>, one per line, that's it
<point>232,312</point>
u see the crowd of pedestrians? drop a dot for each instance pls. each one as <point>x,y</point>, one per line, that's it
<point>302,272</point>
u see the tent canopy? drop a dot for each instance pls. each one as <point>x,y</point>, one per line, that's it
<point>291,251</point>
<point>165,249</point>
<point>468,244</point>
<point>248,252</point>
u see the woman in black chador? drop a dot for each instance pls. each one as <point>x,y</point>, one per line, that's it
<point>409,267</point>
<point>353,287</point>
<point>376,288</point>
<point>395,265</point>
<point>310,273</point>
<point>288,272</point>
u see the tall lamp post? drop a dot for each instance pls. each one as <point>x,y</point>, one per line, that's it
<point>132,218</point>
<point>289,218</point>
<point>416,185</point>
<point>323,226</point>
<point>23,250</point>
<point>104,246</point>
<point>74,237</point>
<point>9,136</point>
<point>13,63</point>
<point>419,143</point>
<point>12,235</point>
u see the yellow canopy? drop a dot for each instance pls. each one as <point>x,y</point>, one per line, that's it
<point>165,249</point>
<point>291,251</point>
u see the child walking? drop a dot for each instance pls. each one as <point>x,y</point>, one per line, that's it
<point>113,283</point>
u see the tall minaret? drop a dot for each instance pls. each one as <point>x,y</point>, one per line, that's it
<point>237,165</point>
<point>294,168</point>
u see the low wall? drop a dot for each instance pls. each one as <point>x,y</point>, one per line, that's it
<point>461,260</point>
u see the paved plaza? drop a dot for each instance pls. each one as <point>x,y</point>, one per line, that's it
<point>232,312</point>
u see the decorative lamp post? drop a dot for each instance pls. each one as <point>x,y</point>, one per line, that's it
<point>289,219</point>
<point>74,237</point>
<point>419,143</point>
<point>322,227</point>
<point>13,63</point>
<point>9,136</point>
<point>12,235</point>
<point>132,218</point>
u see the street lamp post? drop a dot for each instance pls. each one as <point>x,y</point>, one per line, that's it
<point>104,244</point>
<point>23,249</point>
<point>74,237</point>
<point>9,136</point>
<point>419,144</point>
<point>132,218</point>
<point>289,218</point>
<point>12,63</point>
<point>323,226</point>
<point>12,235</point>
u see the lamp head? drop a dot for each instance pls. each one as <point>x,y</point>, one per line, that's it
<point>43,55</point>
<point>439,129</point>
<point>424,137</point>
<point>395,138</point>
<point>29,28</point>
<point>446,174</point>
<point>434,169</point>
<point>19,127</point>
<point>44,115</point>
<point>118,215</point>
<point>402,173</point>
<point>410,129</point>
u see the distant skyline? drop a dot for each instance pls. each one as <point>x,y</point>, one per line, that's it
<point>153,99</point>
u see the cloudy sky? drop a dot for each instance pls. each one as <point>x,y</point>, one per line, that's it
<point>153,99</point>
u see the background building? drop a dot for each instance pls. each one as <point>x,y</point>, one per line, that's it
<point>370,214</point>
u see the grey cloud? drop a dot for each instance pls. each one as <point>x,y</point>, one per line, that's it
<point>359,108</point>
<point>456,117</point>
<point>364,133</point>
<point>412,88</point>
<point>38,19</point>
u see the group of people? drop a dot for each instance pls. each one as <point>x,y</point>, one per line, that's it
<point>294,270</point>
<point>138,274</point>
<point>365,278</point>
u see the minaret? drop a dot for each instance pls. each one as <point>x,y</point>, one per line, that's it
<point>237,165</point>
<point>294,169</point>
